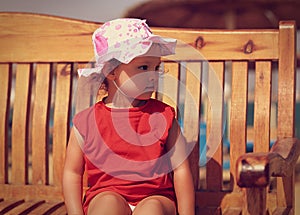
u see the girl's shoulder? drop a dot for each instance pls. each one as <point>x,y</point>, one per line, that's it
<point>84,120</point>
<point>83,113</point>
<point>157,104</point>
<point>86,114</point>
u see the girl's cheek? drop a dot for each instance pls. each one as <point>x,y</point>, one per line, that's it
<point>137,85</point>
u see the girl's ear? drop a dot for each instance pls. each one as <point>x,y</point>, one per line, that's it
<point>109,69</point>
<point>111,76</point>
<point>108,72</point>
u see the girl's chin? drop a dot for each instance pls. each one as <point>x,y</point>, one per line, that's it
<point>144,96</point>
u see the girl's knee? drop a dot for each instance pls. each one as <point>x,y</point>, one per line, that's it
<point>109,203</point>
<point>110,197</point>
<point>156,205</point>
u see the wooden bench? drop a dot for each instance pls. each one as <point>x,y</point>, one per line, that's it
<point>39,56</point>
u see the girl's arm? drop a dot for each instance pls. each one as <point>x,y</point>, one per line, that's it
<point>72,175</point>
<point>184,189</point>
<point>183,181</point>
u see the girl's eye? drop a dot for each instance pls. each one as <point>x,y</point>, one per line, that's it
<point>144,67</point>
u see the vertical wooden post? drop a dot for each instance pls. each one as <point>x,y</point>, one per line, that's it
<point>286,103</point>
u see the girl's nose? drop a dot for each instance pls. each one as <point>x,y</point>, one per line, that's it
<point>152,76</point>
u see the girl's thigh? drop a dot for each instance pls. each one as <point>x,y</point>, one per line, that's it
<point>109,203</point>
<point>158,205</point>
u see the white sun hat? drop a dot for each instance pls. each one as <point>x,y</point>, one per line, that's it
<point>124,39</point>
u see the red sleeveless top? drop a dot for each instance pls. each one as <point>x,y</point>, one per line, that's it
<point>125,150</point>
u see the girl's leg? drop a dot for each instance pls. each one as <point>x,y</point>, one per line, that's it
<point>158,205</point>
<point>109,203</point>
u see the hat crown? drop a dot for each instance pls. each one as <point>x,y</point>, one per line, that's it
<point>119,33</point>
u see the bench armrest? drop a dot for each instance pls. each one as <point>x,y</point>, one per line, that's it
<point>255,169</point>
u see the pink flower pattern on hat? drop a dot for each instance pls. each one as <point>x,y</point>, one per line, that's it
<point>100,44</point>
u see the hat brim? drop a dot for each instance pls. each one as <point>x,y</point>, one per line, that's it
<point>152,46</point>
<point>160,46</point>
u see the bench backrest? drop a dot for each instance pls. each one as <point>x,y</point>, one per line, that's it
<point>39,57</point>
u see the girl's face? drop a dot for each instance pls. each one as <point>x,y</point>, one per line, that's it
<point>139,78</point>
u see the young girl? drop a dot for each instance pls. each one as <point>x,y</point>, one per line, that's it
<point>129,144</point>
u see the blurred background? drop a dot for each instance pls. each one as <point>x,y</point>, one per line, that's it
<point>92,10</point>
<point>185,13</point>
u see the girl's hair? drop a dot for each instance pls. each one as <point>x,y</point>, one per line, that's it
<point>108,68</point>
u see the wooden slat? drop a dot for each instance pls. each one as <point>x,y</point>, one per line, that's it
<point>83,90</point>
<point>30,192</point>
<point>61,119</point>
<point>192,101</point>
<point>192,112</point>
<point>256,198</point>
<point>168,88</point>
<point>40,124</point>
<point>26,207</point>
<point>49,39</point>
<point>60,210</point>
<point>238,114</point>
<point>286,103</point>
<point>5,79</point>
<point>215,125</point>
<point>231,44</point>
<point>61,35</point>
<point>20,125</point>
<point>262,106</point>
<point>49,208</point>
<point>34,207</point>
<point>286,80</point>
<point>251,134</point>
<point>9,204</point>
